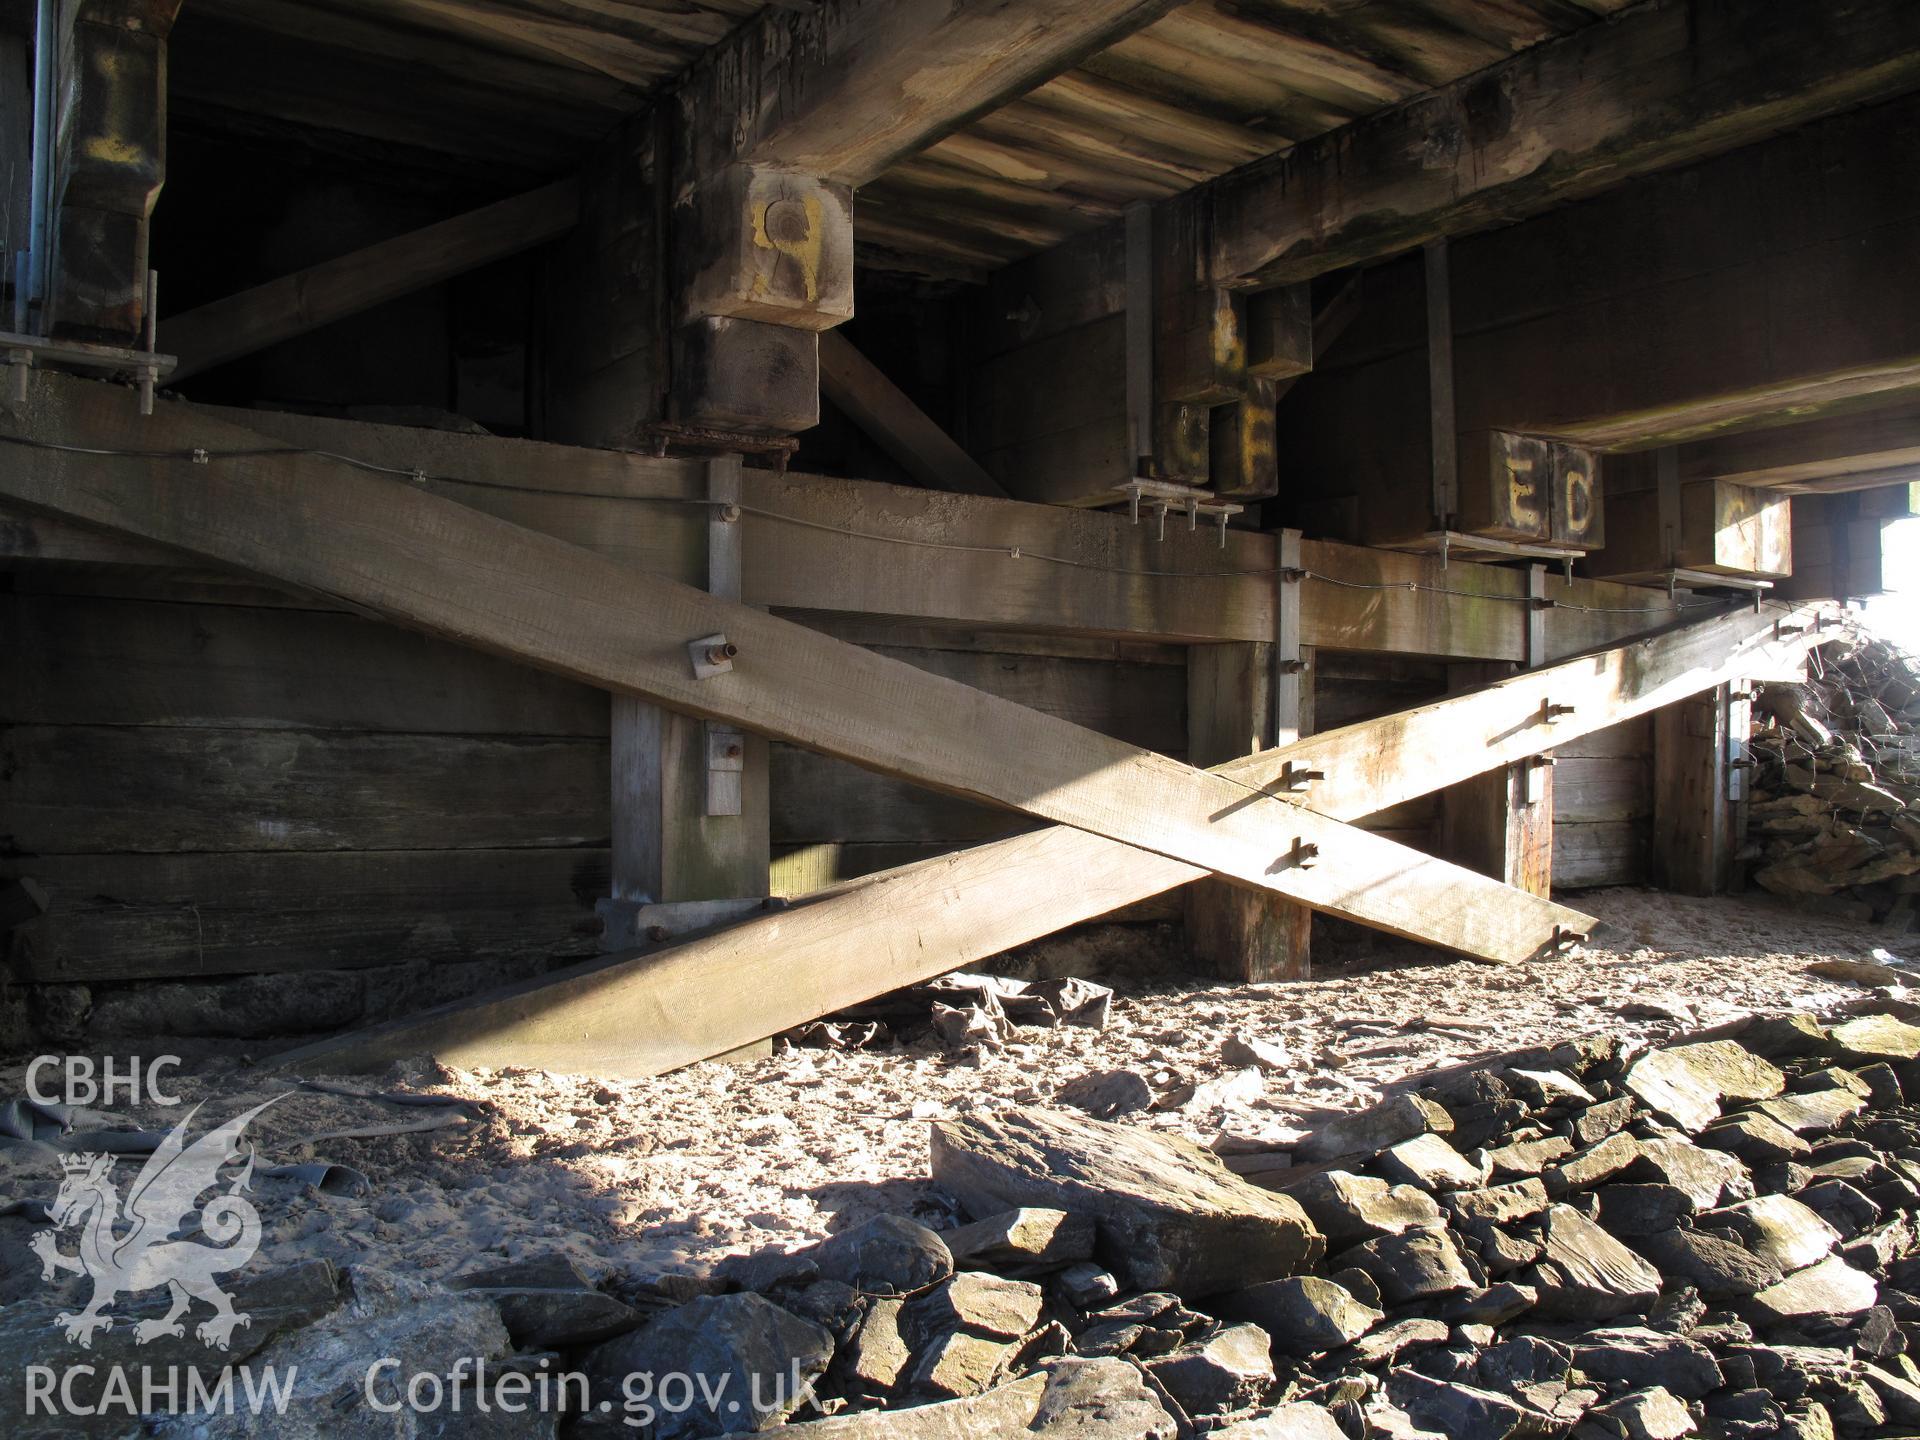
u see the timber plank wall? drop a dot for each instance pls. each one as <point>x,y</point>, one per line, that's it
<point>212,781</point>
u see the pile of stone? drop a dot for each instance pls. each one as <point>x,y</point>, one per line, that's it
<point>1716,1237</point>
<point>1835,779</point>
<point>1712,1238</point>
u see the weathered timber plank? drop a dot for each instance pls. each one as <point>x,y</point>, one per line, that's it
<point>1673,82</point>
<point>1591,789</point>
<point>252,320</point>
<point>76,660</point>
<point>90,789</point>
<point>118,917</point>
<point>842,92</point>
<point>1607,853</point>
<point>1378,762</point>
<point>439,566</point>
<point>1836,452</point>
<point>1103,589</point>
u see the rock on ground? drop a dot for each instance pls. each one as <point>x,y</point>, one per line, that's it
<point>1169,1215</point>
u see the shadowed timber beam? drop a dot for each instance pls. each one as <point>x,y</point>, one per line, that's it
<point>1862,450</point>
<point>845,88</point>
<point>295,304</point>
<point>1671,82</point>
<point>900,427</point>
<point>385,546</point>
<point>1129,585</point>
<point>649,1014</point>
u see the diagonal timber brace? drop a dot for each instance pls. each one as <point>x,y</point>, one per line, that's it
<point>648,1015</point>
<point>389,548</point>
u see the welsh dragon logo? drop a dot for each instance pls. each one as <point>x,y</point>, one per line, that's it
<point>135,1250</point>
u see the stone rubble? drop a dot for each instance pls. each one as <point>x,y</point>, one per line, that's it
<point>1713,1239</point>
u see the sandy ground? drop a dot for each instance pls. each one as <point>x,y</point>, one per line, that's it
<point>639,1179</point>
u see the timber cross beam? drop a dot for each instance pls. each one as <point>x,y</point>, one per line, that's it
<point>645,1015</point>
<point>390,548</point>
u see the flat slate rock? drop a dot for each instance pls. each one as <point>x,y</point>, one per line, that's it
<point>1428,1162</point>
<point>1022,1242</point>
<point>1495,1305</point>
<point>1876,1037</point>
<point>1497,1204</point>
<point>1585,1274</point>
<point>1687,1083</point>
<point>1779,1230</point>
<point>1639,1358</point>
<point>1756,1138</point>
<point>1814,1111</point>
<point>1304,1315</point>
<point>1707,1176</point>
<point>1652,1414</point>
<point>954,1365</point>
<point>874,1363</point>
<point>1592,1166</point>
<point>1349,1208</point>
<point>1546,1087</point>
<point>1718,1267</point>
<point>1526,1158</point>
<point>1367,1132</point>
<point>1227,1370</point>
<point>1460,1412</point>
<point>1296,1421</point>
<point>983,1304</point>
<point>1067,1399</point>
<point>1596,1122</point>
<point>1390,1342</point>
<point>1832,1287</point>
<point>1169,1215</point>
<point>1413,1266</point>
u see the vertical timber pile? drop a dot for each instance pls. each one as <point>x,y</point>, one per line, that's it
<point>1501,823</point>
<point>1243,698</point>
<point>1693,818</point>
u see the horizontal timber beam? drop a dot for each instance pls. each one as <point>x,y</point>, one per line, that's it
<point>647,1015</point>
<point>1858,450</point>
<point>385,546</point>
<point>858,548</point>
<point>295,304</point>
<point>1669,83</point>
<point>844,89</point>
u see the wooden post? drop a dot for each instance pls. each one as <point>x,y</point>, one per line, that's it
<point>1501,823</point>
<point>690,816</point>
<point>1440,406</point>
<point>1692,817</point>
<point>691,810</point>
<point>1242,699</point>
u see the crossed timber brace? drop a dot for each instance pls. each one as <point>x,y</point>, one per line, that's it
<point>648,1015</point>
<point>389,548</point>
